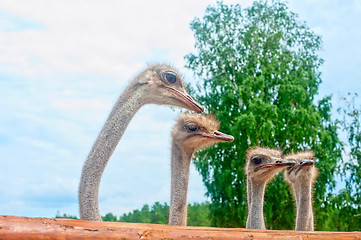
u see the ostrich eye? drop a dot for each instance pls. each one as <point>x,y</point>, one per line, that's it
<point>257,160</point>
<point>192,127</point>
<point>171,78</point>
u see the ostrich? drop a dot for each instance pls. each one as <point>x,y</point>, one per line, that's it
<point>262,165</point>
<point>157,84</point>
<point>190,133</point>
<point>301,178</point>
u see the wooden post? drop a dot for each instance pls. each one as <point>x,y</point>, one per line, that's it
<point>12,227</point>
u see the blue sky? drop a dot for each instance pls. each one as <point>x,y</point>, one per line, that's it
<point>64,63</point>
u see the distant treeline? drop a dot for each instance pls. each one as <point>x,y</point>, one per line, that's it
<point>198,215</point>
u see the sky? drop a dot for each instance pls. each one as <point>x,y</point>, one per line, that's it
<point>63,64</point>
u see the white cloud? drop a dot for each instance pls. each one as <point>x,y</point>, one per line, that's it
<point>106,37</point>
<point>96,36</point>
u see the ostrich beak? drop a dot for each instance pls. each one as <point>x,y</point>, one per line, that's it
<point>288,163</point>
<point>187,100</point>
<point>223,137</point>
<point>279,163</point>
<point>219,136</point>
<point>304,163</point>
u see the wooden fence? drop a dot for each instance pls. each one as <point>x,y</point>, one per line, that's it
<point>12,227</point>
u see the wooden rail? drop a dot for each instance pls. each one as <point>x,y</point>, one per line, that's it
<point>12,227</point>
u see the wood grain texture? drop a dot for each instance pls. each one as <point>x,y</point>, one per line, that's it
<point>13,227</point>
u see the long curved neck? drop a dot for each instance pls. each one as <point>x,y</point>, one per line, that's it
<point>180,163</point>
<point>303,195</point>
<point>255,193</point>
<point>123,111</point>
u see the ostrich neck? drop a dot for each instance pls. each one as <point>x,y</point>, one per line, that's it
<point>303,195</point>
<point>123,111</point>
<point>255,193</point>
<point>180,163</point>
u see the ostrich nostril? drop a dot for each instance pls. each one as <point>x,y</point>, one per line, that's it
<point>279,161</point>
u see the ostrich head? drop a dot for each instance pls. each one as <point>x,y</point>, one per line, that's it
<point>264,163</point>
<point>164,85</point>
<point>303,170</point>
<point>193,131</point>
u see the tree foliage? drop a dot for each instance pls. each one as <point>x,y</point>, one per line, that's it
<point>158,213</point>
<point>58,215</point>
<point>198,215</point>
<point>260,74</point>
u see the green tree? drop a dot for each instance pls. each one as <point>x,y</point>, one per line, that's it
<point>198,214</point>
<point>159,213</point>
<point>260,72</point>
<point>109,217</point>
<point>58,215</point>
<point>137,216</point>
